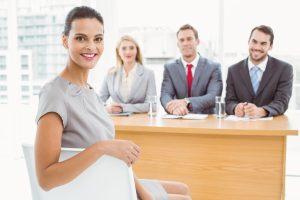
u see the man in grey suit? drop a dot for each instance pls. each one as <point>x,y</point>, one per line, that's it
<point>190,83</point>
<point>260,85</point>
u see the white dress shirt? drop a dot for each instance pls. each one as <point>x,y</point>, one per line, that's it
<point>194,63</point>
<point>262,66</point>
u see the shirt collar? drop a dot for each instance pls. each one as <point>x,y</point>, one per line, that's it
<point>262,66</point>
<point>132,71</point>
<point>194,62</point>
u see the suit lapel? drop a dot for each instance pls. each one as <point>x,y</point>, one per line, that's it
<point>199,71</point>
<point>182,75</point>
<point>118,83</point>
<point>244,72</point>
<point>268,73</point>
<point>138,78</point>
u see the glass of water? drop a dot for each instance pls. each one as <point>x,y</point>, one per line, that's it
<point>152,99</point>
<point>220,107</point>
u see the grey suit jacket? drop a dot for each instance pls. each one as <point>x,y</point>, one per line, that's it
<point>207,84</point>
<point>274,91</point>
<point>143,85</point>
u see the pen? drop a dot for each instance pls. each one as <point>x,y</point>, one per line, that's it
<point>245,104</point>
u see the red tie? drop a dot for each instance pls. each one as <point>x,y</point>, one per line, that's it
<point>189,78</point>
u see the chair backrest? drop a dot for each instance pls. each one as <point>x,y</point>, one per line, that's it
<point>107,179</point>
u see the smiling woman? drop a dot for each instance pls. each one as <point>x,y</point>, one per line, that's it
<point>129,83</point>
<point>85,48</point>
<point>71,115</point>
<point>34,33</point>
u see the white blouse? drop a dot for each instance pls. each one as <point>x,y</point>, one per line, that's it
<point>126,82</point>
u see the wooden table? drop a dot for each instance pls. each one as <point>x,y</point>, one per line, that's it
<point>217,158</point>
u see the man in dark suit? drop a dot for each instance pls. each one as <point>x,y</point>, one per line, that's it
<point>260,85</point>
<point>190,83</point>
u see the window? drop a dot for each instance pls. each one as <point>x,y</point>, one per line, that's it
<point>3,97</point>
<point>25,97</point>
<point>25,77</point>
<point>2,62</point>
<point>24,59</point>
<point>3,88</point>
<point>25,88</point>
<point>24,62</point>
<point>24,66</point>
<point>3,77</point>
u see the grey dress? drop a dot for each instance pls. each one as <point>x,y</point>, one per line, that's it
<point>84,118</point>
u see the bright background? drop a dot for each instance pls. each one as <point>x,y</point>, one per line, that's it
<point>31,54</point>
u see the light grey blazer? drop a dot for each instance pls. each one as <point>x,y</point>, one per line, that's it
<point>142,86</point>
<point>207,84</point>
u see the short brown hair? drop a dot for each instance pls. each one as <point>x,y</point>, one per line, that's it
<point>188,27</point>
<point>265,29</point>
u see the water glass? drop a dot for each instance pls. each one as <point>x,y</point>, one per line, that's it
<point>152,105</point>
<point>220,107</point>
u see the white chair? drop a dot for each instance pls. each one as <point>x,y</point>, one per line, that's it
<point>107,179</point>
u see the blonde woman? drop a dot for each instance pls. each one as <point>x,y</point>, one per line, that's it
<point>130,83</point>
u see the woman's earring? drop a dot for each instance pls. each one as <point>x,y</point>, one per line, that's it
<point>65,45</point>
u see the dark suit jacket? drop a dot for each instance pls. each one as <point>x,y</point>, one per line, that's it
<point>207,84</point>
<point>274,91</point>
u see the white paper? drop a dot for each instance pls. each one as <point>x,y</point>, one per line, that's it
<point>188,116</point>
<point>236,118</point>
<point>121,114</point>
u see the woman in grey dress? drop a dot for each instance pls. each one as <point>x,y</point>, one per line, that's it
<point>70,114</point>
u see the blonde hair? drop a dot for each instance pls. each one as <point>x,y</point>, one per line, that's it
<point>119,61</point>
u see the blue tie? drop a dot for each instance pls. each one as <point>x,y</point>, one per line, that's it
<point>255,80</point>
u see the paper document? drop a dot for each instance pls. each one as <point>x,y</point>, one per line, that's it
<point>188,116</point>
<point>236,118</point>
<point>121,114</point>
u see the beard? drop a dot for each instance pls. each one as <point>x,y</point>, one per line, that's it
<point>257,58</point>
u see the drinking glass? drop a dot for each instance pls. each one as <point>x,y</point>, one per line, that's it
<point>220,107</point>
<point>152,99</point>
